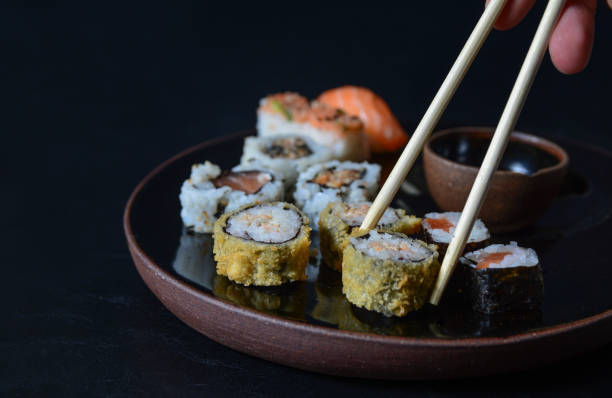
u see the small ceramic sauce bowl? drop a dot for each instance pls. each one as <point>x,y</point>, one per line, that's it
<point>527,180</point>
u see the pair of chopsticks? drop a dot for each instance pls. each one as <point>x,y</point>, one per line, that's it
<point>498,144</point>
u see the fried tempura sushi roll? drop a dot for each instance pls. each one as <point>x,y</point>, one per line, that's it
<point>338,221</point>
<point>438,229</point>
<point>504,278</point>
<point>284,154</point>
<point>262,244</point>
<point>335,181</point>
<point>389,272</point>
<point>208,192</point>
<point>290,113</point>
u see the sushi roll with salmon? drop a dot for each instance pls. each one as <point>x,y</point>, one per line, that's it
<point>438,229</point>
<point>335,181</point>
<point>384,131</point>
<point>208,192</point>
<point>339,220</point>
<point>262,244</point>
<point>290,113</point>
<point>284,154</point>
<point>388,272</point>
<point>504,278</point>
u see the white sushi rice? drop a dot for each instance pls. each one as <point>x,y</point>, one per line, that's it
<point>201,201</point>
<point>312,197</point>
<point>354,213</point>
<point>386,246</point>
<point>270,192</point>
<point>343,146</point>
<point>479,231</point>
<point>255,154</point>
<point>267,223</point>
<point>518,257</point>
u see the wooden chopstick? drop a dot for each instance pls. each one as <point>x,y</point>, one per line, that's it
<point>433,114</point>
<point>498,145</point>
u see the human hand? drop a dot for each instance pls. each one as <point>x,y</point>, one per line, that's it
<point>572,39</point>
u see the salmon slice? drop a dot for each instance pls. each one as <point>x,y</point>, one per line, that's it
<point>491,258</point>
<point>440,223</point>
<point>249,182</point>
<point>334,178</point>
<point>383,129</point>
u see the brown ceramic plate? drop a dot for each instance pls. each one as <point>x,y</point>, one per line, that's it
<point>309,325</point>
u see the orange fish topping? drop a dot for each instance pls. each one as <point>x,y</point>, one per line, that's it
<point>440,223</point>
<point>382,127</point>
<point>325,116</point>
<point>248,182</point>
<point>491,258</point>
<point>337,178</point>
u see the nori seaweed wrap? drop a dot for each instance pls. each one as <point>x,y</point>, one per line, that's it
<point>504,278</point>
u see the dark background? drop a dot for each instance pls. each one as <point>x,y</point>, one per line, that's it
<point>95,94</point>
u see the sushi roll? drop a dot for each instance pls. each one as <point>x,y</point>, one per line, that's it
<point>384,131</point>
<point>208,192</point>
<point>339,220</point>
<point>388,272</point>
<point>504,278</point>
<point>286,155</point>
<point>335,181</point>
<point>290,113</point>
<point>262,244</point>
<point>438,229</point>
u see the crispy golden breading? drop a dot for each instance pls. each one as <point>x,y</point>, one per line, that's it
<point>262,264</point>
<point>387,286</point>
<point>334,232</point>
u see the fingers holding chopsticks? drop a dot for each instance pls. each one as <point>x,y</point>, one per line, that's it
<point>572,39</point>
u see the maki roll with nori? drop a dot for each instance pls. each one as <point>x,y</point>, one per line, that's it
<point>388,272</point>
<point>438,228</point>
<point>335,181</point>
<point>338,221</point>
<point>286,155</point>
<point>504,278</point>
<point>208,192</point>
<point>262,244</point>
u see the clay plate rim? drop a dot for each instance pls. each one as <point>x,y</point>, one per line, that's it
<point>322,331</point>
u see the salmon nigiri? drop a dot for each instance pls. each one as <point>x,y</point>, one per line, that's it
<point>384,131</point>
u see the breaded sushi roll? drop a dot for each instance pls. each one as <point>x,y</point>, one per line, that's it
<point>290,113</point>
<point>338,221</point>
<point>286,155</point>
<point>438,229</point>
<point>388,272</point>
<point>504,278</point>
<point>208,192</point>
<point>335,181</point>
<point>262,244</point>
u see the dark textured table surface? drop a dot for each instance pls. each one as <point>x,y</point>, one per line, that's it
<point>95,96</point>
